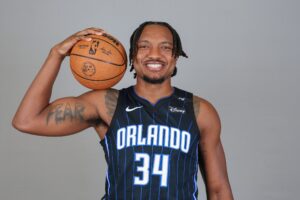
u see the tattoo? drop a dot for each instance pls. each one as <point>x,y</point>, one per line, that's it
<point>68,112</point>
<point>78,112</point>
<point>111,98</point>
<point>63,111</point>
<point>196,105</point>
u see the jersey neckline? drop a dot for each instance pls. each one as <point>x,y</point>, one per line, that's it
<point>158,102</point>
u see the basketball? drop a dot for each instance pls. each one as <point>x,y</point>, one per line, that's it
<point>99,63</point>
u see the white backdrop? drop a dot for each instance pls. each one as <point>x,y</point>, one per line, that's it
<point>243,57</point>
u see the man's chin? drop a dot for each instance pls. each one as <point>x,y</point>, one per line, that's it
<point>153,80</point>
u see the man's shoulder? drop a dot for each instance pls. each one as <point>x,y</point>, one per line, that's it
<point>202,103</point>
<point>99,93</point>
<point>108,95</point>
<point>196,98</point>
<point>206,114</point>
<point>100,97</point>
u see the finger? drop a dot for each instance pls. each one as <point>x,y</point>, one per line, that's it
<point>96,29</point>
<point>90,31</point>
<point>83,37</point>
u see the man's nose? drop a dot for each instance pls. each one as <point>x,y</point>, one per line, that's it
<point>154,52</point>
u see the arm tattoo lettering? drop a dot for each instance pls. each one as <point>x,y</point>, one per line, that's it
<point>64,111</point>
<point>111,98</point>
<point>78,112</point>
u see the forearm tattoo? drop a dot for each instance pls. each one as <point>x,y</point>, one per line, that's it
<point>196,105</point>
<point>111,98</point>
<point>65,111</point>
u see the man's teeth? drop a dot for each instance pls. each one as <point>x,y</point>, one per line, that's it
<point>154,65</point>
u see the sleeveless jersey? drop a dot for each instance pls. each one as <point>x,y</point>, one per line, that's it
<point>152,149</point>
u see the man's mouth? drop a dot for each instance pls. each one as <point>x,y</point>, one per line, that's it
<point>155,66</point>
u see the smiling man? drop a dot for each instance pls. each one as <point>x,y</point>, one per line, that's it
<point>154,135</point>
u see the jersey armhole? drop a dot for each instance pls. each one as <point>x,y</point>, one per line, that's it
<point>195,118</point>
<point>119,100</point>
<point>112,119</point>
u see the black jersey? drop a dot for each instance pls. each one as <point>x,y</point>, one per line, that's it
<point>152,150</point>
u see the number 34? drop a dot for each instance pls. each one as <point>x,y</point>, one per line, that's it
<point>160,167</point>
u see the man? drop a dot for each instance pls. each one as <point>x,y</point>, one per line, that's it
<point>151,132</point>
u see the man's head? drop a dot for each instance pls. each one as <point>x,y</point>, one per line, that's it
<point>154,50</point>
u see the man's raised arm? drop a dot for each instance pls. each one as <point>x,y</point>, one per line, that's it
<point>36,115</point>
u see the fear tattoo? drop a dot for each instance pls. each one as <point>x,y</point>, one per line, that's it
<point>65,111</point>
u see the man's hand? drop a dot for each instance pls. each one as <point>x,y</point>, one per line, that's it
<point>63,48</point>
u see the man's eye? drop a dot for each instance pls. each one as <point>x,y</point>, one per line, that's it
<point>143,47</point>
<point>167,48</point>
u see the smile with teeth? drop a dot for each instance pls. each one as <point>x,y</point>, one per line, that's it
<point>154,66</point>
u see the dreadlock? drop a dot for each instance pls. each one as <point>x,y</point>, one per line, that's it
<point>177,47</point>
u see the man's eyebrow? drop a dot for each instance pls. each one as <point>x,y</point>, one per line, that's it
<point>166,42</point>
<point>143,41</point>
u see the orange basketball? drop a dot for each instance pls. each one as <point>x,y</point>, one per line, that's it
<point>99,63</point>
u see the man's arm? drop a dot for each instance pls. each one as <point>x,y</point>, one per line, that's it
<point>212,162</point>
<point>36,115</point>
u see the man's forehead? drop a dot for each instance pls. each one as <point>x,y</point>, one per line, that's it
<point>156,28</point>
<point>156,31</point>
<point>148,42</point>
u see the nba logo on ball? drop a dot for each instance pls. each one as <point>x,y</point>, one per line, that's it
<point>99,63</point>
<point>94,46</point>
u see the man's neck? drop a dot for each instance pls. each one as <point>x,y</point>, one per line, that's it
<point>153,92</point>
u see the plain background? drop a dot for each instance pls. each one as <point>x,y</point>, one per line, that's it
<point>243,57</point>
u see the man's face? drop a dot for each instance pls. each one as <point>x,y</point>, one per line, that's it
<point>154,61</point>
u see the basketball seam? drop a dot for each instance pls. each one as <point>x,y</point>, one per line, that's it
<point>73,54</point>
<point>113,47</point>
<point>124,58</point>
<point>101,79</point>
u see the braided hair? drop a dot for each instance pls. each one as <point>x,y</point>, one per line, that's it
<point>177,47</point>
